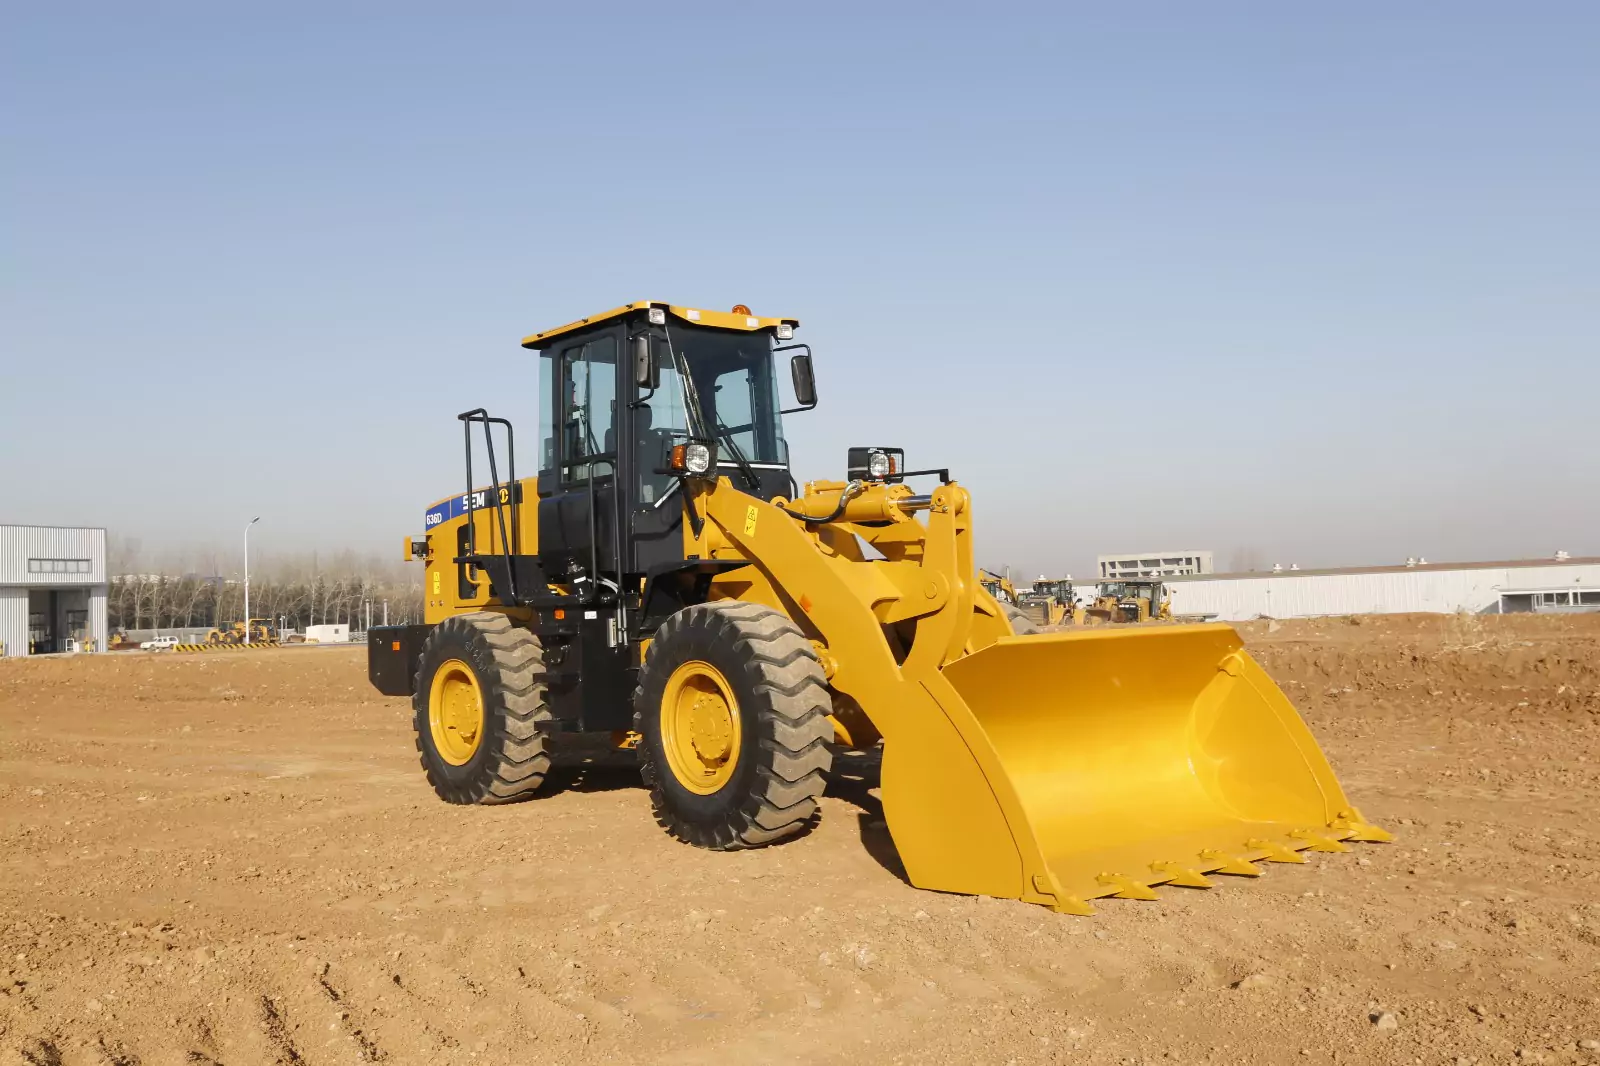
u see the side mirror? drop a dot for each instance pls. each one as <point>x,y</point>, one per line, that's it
<point>805,382</point>
<point>646,374</point>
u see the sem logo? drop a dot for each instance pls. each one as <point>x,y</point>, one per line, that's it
<point>476,500</point>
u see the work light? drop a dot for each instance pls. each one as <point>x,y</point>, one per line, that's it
<point>697,458</point>
<point>875,464</point>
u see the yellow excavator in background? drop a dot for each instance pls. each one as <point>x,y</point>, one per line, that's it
<point>663,579</point>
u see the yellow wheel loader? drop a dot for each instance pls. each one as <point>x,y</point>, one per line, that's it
<point>260,631</point>
<point>1050,603</point>
<point>1131,600</point>
<point>663,579</point>
<point>998,586</point>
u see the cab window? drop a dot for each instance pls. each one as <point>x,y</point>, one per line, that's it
<point>588,419</point>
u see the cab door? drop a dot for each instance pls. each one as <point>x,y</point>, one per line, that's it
<point>578,475</point>
<point>591,686</point>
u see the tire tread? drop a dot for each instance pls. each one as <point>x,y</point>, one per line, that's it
<point>518,722</point>
<point>783,670</point>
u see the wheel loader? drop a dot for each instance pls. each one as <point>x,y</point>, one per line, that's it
<point>662,580</point>
<point>258,631</point>
<point>1130,600</point>
<point>1051,603</point>
<point>998,586</point>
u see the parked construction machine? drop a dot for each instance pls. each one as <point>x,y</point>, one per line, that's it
<point>663,579</point>
<point>998,585</point>
<point>255,631</point>
<point>1050,603</point>
<point>1130,600</point>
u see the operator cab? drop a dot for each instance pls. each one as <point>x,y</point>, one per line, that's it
<point>627,398</point>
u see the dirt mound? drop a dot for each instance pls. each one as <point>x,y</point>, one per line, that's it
<point>1484,669</point>
<point>235,859</point>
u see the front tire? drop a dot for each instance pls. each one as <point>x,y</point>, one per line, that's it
<point>733,706</point>
<point>479,713</point>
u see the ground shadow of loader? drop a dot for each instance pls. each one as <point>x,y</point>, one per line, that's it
<point>855,779</point>
<point>583,764</point>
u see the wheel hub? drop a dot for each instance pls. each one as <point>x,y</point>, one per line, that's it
<point>455,712</point>
<point>700,728</point>
<point>461,712</point>
<point>711,729</point>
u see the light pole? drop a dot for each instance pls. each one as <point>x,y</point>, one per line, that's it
<point>252,522</point>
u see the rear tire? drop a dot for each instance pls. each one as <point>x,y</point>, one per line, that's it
<point>733,706</point>
<point>501,754</point>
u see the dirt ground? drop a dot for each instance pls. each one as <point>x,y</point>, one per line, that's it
<point>234,858</point>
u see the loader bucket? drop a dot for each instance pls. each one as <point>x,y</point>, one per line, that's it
<point>1132,757</point>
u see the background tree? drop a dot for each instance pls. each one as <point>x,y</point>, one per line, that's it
<point>188,592</point>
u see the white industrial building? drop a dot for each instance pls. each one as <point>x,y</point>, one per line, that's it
<point>1539,585</point>
<point>1176,563</point>
<point>52,589</point>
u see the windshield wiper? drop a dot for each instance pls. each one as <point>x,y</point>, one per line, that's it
<point>751,478</point>
<point>696,415</point>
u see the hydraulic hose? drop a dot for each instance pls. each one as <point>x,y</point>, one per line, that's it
<point>851,491</point>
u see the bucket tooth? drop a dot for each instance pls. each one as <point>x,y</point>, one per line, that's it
<point>1318,842</point>
<point>1371,834</point>
<point>1126,887</point>
<point>1274,852</point>
<point>1223,863</point>
<point>1178,874</point>
<point>1352,826</point>
<point>1051,896</point>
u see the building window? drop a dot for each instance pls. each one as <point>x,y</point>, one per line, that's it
<point>58,566</point>
<point>1589,599</point>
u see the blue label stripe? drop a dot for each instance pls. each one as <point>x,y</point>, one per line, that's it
<point>456,506</point>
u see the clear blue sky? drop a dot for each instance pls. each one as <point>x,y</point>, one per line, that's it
<point>1295,283</point>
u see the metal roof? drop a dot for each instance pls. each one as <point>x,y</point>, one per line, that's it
<point>700,317</point>
<point>1400,568</point>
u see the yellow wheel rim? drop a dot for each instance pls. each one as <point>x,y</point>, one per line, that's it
<point>455,712</point>
<point>700,728</point>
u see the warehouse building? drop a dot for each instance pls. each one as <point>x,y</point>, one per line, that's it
<point>1177,563</point>
<point>52,590</point>
<point>1557,584</point>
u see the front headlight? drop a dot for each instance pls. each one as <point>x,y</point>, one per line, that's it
<point>875,464</point>
<point>697,458</point>
<point>694,458</point>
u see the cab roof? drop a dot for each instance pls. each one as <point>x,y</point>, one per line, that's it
<point>717,319</point>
